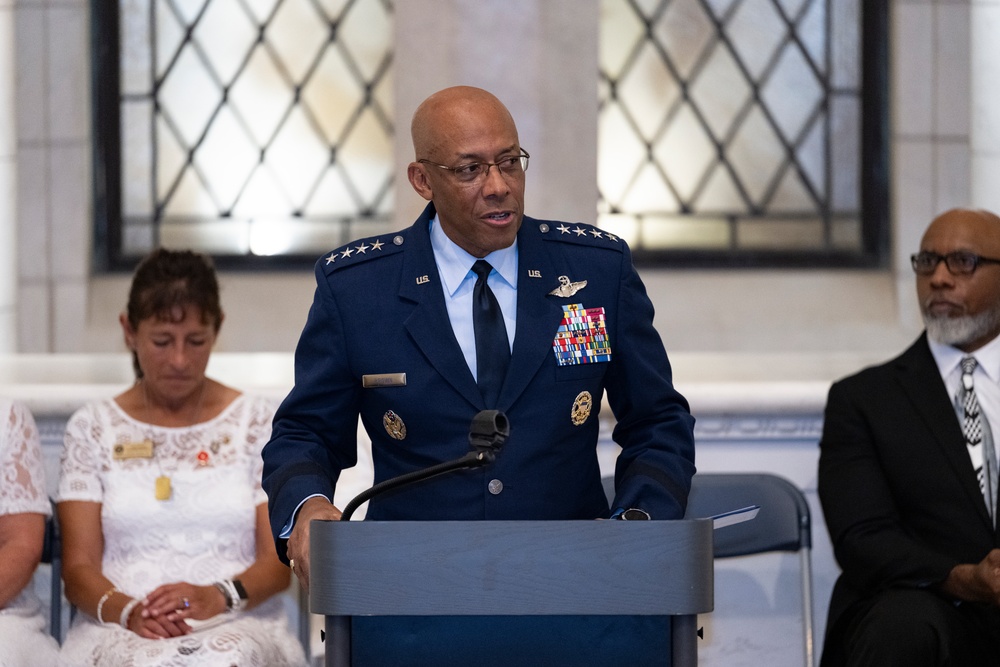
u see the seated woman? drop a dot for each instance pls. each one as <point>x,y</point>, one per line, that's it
<point>166,544</point>
<point>24,505</point>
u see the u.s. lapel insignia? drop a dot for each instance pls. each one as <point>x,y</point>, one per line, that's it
<point>394,426</point>
<point>567,288</point>
<point>581,408</point>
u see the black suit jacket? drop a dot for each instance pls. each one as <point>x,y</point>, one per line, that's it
<point>898,490</point>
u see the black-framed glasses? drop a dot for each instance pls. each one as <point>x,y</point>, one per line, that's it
<point>959,263</point>
<point>472,172</point>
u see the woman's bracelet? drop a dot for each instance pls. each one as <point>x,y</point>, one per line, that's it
<point>221,585</point>
<point>235,594</point>
<point>126,612</point>
<point>100,603</point>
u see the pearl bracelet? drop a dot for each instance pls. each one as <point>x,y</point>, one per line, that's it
<point>126,612</point>
<point>100,603</point>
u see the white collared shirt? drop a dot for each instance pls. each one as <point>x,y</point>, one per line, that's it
<point>986,378</point>
<point>455,269</point>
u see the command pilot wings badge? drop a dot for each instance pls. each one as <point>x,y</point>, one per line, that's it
<point>567,288</point>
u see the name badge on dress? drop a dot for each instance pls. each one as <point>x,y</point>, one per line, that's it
<point>133,450</point>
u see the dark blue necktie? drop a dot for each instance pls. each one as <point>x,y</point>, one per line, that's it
<point>492,347</point>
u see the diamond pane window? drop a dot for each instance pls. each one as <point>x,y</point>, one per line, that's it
<point>259,131</point>
<point>744,132</point>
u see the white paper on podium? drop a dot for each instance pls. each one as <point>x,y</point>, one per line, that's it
<point>734,516</point>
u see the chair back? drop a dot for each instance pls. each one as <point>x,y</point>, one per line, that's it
<point>52,555</point>
<point>782,524</point>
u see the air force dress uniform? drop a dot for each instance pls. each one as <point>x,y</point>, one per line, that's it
<point>378,343</point>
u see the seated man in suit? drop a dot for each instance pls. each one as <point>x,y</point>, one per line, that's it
<point>908,471</point>
<point>399,333</point>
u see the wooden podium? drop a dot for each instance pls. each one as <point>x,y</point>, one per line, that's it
<point>492,568</point>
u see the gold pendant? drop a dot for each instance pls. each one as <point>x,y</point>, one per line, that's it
<point>163,488</point>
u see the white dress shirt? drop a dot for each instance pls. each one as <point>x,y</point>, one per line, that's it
<point>458,280</point>
<point>986,378</point>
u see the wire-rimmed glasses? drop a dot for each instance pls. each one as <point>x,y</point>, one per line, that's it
<point>473,172</point>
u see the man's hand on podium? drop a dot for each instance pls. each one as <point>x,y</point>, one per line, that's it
<point>317,508</point>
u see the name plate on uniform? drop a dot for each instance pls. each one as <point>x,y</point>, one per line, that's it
<point>383,380</point>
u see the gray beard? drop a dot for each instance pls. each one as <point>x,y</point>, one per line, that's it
<point>958,331</point>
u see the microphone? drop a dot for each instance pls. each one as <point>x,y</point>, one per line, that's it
<point>487,433</point>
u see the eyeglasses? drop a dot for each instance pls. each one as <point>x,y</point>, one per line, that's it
<point>959,263</point>
<point>471,172</point>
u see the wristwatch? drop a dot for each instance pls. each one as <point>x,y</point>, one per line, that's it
<point>632,514</point>
<point>242,592</point>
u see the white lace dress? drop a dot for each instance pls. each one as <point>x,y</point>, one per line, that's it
<point>23,637</point>
<point>203,533</point>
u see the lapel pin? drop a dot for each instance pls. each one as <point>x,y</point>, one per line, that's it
<point>581,408</point>
<point>394,426</point>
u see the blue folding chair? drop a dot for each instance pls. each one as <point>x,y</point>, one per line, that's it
<point>782,524</point>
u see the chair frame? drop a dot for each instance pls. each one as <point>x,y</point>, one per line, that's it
<point>783,524</point>
<point>52,555</point>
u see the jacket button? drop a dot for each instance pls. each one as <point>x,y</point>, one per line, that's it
<point>495,486</point>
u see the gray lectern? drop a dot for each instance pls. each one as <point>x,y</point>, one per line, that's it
<point>487,568</point>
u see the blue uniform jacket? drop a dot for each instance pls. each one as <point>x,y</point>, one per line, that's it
<point>379,309</point>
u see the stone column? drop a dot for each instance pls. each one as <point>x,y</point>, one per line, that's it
<point>8,183</point>
<point>985,111</point>
<point>539,57</point>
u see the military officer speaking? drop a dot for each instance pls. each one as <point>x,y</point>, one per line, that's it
<point>477,306</point>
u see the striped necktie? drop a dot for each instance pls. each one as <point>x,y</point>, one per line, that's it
<point>978,438</point>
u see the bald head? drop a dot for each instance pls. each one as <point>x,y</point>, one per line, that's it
<point>987,221</point>
<point>447,112</point>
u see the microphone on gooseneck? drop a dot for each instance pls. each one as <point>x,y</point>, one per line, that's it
<point>487,433</point>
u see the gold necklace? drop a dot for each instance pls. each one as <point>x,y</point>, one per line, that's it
<point>163,488</point>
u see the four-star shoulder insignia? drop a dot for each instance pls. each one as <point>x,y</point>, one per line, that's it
<point>580,234</point>
<point>362,250</point>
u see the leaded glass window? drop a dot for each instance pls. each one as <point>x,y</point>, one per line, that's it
<point>243,128</point>
<point>744,132</point>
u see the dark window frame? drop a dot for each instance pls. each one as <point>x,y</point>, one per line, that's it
<point>874,191</point>
<point>108,225</point>
<point>874,170</point>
